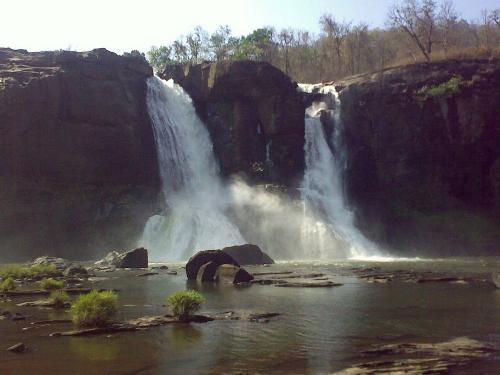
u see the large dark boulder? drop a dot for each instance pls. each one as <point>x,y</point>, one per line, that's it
<point>217,257</point>
<point>78,169</point>
<point>248,254</point>
<point>423,171</point>
<point>137,258</point>
<point>254,114</point>
<point>207,272</point>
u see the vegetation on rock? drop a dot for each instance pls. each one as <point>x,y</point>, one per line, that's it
<point>7,284</point>
<point>29,272</point>
<point>59,298</point>
<point>95,309</point>
<point>184,303</point>
<point>442,90</point>
<point>51,284</point>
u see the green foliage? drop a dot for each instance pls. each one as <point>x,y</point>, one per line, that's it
<point>51,284</point>
<point>7,284</point>
<point>184,303</point>
<point>443,90</point>
<point>159,57</point>
<point>94,309</point>
<point>24,272</point>
<point>59,298</point>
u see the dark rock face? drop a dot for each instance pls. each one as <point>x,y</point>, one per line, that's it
<point>248,254</point>
<point>78,170</point>
<point>217,257</point>
<point>424,172</point>
<point>254,114</point>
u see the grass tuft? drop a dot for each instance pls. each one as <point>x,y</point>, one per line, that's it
<point>7,284</point>
<point>59,298</point>
<point>184,303</point>
<point>94,309</point>
<point>51,284</point>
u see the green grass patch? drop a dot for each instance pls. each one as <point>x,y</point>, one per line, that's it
<point>59,298</point>
<point>184,303</point>
<point>7,284</point>
<point>37,271</point>
<point>51,284</point>
<point>443,90</point>
<point>95,309</point>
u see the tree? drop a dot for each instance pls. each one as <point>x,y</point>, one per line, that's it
<point>417,19</point>
<point>159,57</point>
<point>447,21</point>
<point>196,42</point>
<point>286,37</point>
<point>336,32</point>
<point>221,42</point>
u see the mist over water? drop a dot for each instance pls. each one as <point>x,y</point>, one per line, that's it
<point>202,212</point>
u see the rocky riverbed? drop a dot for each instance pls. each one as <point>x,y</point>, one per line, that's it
<point>361,325</point>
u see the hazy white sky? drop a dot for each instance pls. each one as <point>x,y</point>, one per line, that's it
<point>123,25</point>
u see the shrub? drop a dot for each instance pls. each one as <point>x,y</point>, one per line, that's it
<point>44,270</point>
<point>51,284</point>
<point>94,309</point>
<point>444,89</point>
<point>59,298</point>
<point>7,284</point>
<point>184,303</point>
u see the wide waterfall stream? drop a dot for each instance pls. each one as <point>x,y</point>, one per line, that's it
<point>197,201</point>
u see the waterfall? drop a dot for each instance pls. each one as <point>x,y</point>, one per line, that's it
<point>195,198</point>
<point>322,188</point>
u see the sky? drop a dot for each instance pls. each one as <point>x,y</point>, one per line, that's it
<point>124,25</point>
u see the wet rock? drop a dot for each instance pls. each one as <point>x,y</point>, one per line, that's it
<point>137,258</point>
<point>308,284</point>
<point>60,263</point>
<point>200,258</point>
<point>75,270</point>
<point>421,358</point>
<point>248,254</point>
<point>18,348</point>
<point>147,274</point>
<point>232,274</point>
<point>496,279</point>
<point>18,316</point>
<point>207,272</point>
<point>159,267</point>
<point>171,272</point>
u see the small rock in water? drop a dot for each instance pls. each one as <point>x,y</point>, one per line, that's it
<point>18,316</point>
<point>75,270</point>
<point>18,348</point>
<point>147,274</point>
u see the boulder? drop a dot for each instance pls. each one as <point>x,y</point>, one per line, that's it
<point>18,348</point>
<point>75,270</point>
<point>207,272</point>
<point>60,263</point>
<point>202,257</point>
<point>137,258</point>
<point>248,254</point>
<point>232,274</point>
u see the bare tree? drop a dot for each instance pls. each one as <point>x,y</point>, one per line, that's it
<point>447,21</point>
<point>286,37</point>
<point>417,19</point>
<point>495,17</point>
<point>336,32</point>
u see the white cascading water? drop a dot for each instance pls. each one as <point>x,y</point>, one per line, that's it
<point>196,199</point>
<point>322,188</point>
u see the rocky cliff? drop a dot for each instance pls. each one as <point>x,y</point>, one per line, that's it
<point>78,173</point>
<point>254,115</point>
<point>423,148</point>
